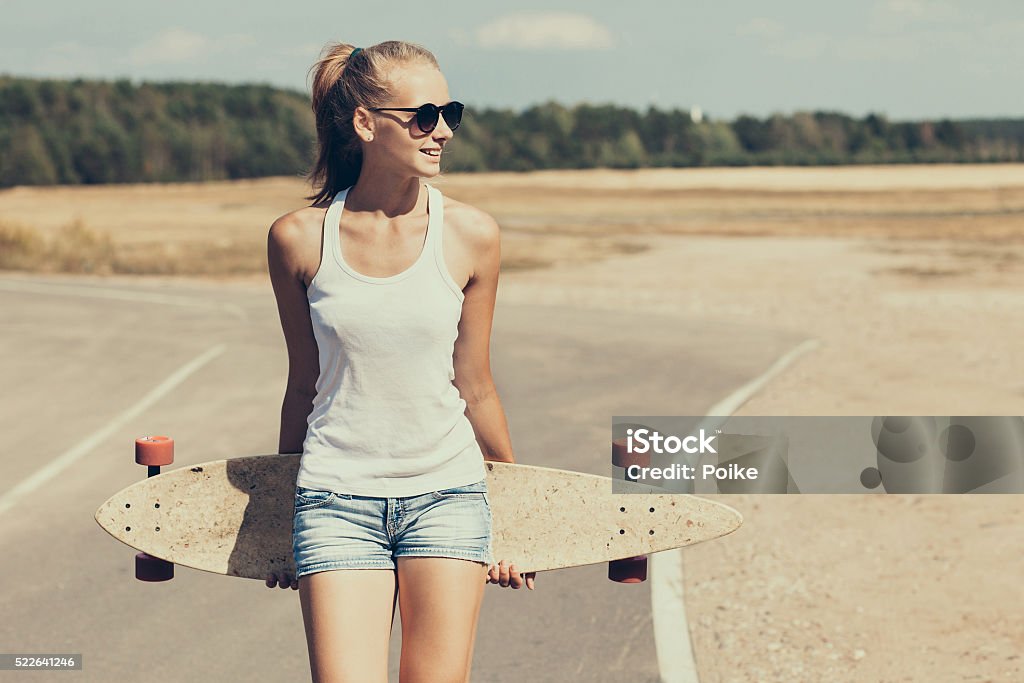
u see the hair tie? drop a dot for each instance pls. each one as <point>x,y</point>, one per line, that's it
<point>354,52</point>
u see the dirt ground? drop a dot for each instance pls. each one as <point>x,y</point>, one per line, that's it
<point>918,306</point>
<point>911,279</point>
<point>855,587</point>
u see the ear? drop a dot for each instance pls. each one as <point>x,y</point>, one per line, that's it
<point>363,123</point>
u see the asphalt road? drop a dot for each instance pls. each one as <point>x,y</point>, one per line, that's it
<point>80,354</point>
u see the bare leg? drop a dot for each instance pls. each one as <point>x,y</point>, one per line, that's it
<point>440,603</point>
<point>348,616</point>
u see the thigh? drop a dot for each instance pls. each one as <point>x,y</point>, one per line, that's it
<point>348,616</point>
<point>439,602</point>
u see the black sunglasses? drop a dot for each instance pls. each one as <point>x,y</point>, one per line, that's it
<point>427,114</point>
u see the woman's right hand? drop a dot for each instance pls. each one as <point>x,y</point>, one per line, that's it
<point>282,579</point>
<point>506,574</point>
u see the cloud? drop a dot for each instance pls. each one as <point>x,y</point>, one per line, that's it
<point>171,46</point>
<point>890,15</point>
<point>884,49</point>
<point>543,31</point>
<point>801,47</point>
<point>760,26</point>
<point>897,31</point>
<point>907,8</point>
<point>777,42</point>
<point>177,45</point>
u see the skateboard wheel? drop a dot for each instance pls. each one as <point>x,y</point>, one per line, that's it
<point>621,457</point>
<point>629,570</point>
<point>149,568</point>
<point>154,450</point>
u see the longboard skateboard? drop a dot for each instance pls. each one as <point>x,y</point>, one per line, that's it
<point>234,517</point>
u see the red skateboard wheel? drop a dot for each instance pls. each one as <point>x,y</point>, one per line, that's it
<point>629,570</point>
<point>621,457</point>
<point>154,450</point>
<point>149,568</point>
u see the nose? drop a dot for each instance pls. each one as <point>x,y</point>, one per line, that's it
<point>442,131</point>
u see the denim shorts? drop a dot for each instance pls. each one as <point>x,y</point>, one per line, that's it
<point>334,530</point>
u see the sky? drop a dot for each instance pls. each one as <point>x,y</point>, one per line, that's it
<point>906,59</point>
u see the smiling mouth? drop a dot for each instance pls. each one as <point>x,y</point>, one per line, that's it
<point>435,153</point>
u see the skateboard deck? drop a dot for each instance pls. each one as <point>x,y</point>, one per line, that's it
<point>234,517</point>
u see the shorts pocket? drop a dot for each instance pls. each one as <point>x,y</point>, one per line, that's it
<point>310,499</point>
<point>477,491</point>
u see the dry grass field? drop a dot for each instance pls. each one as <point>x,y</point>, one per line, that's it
<point>555,217</point>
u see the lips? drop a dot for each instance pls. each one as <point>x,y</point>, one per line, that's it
<point>433,153</point>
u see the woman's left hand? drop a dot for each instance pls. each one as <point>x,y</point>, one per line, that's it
<point>506,574</point>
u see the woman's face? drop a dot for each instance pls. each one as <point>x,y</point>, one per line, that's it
<point>398,143</point>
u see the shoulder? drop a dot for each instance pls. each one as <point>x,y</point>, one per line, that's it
<point>294,239</point>
<point>296,224</point>
<point>475,228</point>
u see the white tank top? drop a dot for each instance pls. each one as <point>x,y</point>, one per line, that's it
<point>387,421</point>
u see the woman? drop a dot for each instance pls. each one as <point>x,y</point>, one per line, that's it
<point>386,294</point>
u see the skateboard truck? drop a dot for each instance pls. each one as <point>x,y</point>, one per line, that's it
<point>154,452</point>
<point>630,569</point>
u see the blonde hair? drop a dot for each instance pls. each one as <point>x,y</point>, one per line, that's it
<point>340,84</point>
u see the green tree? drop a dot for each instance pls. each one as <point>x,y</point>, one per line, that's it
<point>24,159</point>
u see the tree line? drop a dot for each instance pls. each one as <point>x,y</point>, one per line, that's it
<point>88,131</point>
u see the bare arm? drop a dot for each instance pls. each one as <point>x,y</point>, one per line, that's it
<point>472,359</point>
<point>284,258</point>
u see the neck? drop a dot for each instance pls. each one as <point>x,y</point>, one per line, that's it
<point>384,193</point>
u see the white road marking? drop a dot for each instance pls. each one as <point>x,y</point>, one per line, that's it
<point>61,289</point>
<point>9,498</point>
<point>676,663</point>
<point>731,403</point>
<point>672,640</point>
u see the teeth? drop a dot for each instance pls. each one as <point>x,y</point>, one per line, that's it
<point>432,152</point>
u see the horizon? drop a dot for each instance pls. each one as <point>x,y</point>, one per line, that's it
<point>137,82</point>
